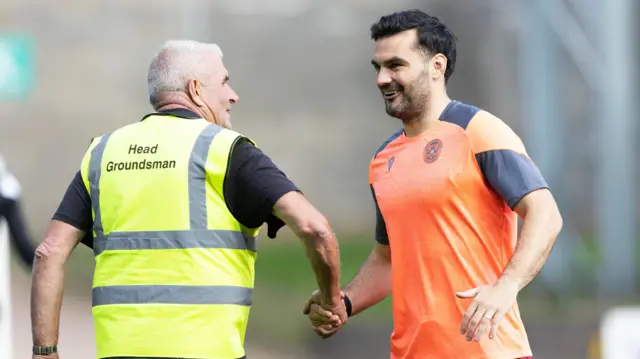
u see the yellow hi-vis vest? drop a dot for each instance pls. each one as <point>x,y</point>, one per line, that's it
<point>174,269</point>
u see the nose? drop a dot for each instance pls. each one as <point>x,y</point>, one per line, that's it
<point>383,78</point>
<point>233,96</point>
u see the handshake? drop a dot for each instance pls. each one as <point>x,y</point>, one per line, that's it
<point>327,317</point>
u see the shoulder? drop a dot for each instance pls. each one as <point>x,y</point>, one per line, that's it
<point>459,113</point>
<point>96,140</point>
<point>247,160</point>
<point>484,130</point>
<point>487,132</point>
<point>96,146</point>
<point>388,141</point>
<point>237,143</point>
<point>233,134</point>
<point>243,147</point>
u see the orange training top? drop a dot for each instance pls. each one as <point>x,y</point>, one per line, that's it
<point>444,201</point>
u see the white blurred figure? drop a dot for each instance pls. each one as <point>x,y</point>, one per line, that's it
<point>9,185</point>
<point>12,230</point>
<point>11,212</point>
<point>5,296</point>
<point>619,338</point>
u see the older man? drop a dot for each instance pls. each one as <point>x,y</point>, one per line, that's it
<point>173,204</point>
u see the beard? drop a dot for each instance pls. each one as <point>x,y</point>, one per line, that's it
<point>411,102</point>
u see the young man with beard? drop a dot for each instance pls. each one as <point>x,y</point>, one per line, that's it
<point>448,189</point>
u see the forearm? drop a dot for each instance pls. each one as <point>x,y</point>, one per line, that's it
<point>46,295</point>
<point>324,255</point>
<point>319,241</point>
<point>537,237</point>
<point>371,285</point>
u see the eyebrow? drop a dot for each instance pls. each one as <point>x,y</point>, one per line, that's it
<point>394,59</point>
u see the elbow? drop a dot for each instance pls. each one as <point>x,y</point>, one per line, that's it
<point>557,223</point>
<point>42,253</point>
<point>45,252</point>
<point>554,223</point>
<point>316,232</point>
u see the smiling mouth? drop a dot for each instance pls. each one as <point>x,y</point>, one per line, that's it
<point>390,95</point>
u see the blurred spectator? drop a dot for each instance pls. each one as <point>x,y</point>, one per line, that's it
<point>10,209</point>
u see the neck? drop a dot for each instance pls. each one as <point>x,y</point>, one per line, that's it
<point>173,101</point>
<point>436,104</point>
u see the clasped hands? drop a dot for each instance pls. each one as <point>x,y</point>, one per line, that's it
<point>327,317</point>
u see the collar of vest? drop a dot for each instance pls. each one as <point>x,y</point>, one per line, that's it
<point>176,112</point>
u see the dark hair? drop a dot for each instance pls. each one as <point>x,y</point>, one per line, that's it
<point>433,35</point>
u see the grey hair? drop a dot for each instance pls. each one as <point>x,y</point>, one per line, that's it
<point>176,63</point>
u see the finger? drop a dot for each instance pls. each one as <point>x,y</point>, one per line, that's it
<point>318,330</point>
<point>495,323</point>
<point>475,321</point>
<point>323,331</point>
<point>484,324</point>
<point>316,323</point>
<point>467,316</point>
<point>319,312</point>
<point>321,315</point>
<point>468,293</point>
<point>307,306</point>
<point>312,299</point>
<point>328,324</point>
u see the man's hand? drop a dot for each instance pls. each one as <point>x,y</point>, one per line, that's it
<point>326,318</point>
<point>491,303</point>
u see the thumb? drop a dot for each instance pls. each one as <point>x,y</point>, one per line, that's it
<point>468,293</point>
<point>314,298</point>
<point>307,306</point>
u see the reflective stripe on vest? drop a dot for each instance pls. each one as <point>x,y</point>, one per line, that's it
<point>197,237</point>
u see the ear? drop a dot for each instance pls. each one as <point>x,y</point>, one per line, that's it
<point>194,89</point>
<point>439,64</point>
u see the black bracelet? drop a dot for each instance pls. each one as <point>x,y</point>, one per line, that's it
<point>44,349</point>
<point>347,304</point>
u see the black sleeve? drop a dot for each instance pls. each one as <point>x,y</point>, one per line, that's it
<point>381,226</point>
<point>75,208</point>
<point>252,187</point>
<point>11,210</point>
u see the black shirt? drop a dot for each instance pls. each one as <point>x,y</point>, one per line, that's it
<point>253,185</point>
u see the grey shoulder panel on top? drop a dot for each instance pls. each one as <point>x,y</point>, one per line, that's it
<point>459,113</point>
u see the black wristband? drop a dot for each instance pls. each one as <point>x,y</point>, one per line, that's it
<point>44,349</point>
<point>347,304</point>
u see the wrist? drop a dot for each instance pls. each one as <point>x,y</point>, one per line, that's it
<point>510,281</point>
<point>332,300</point>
